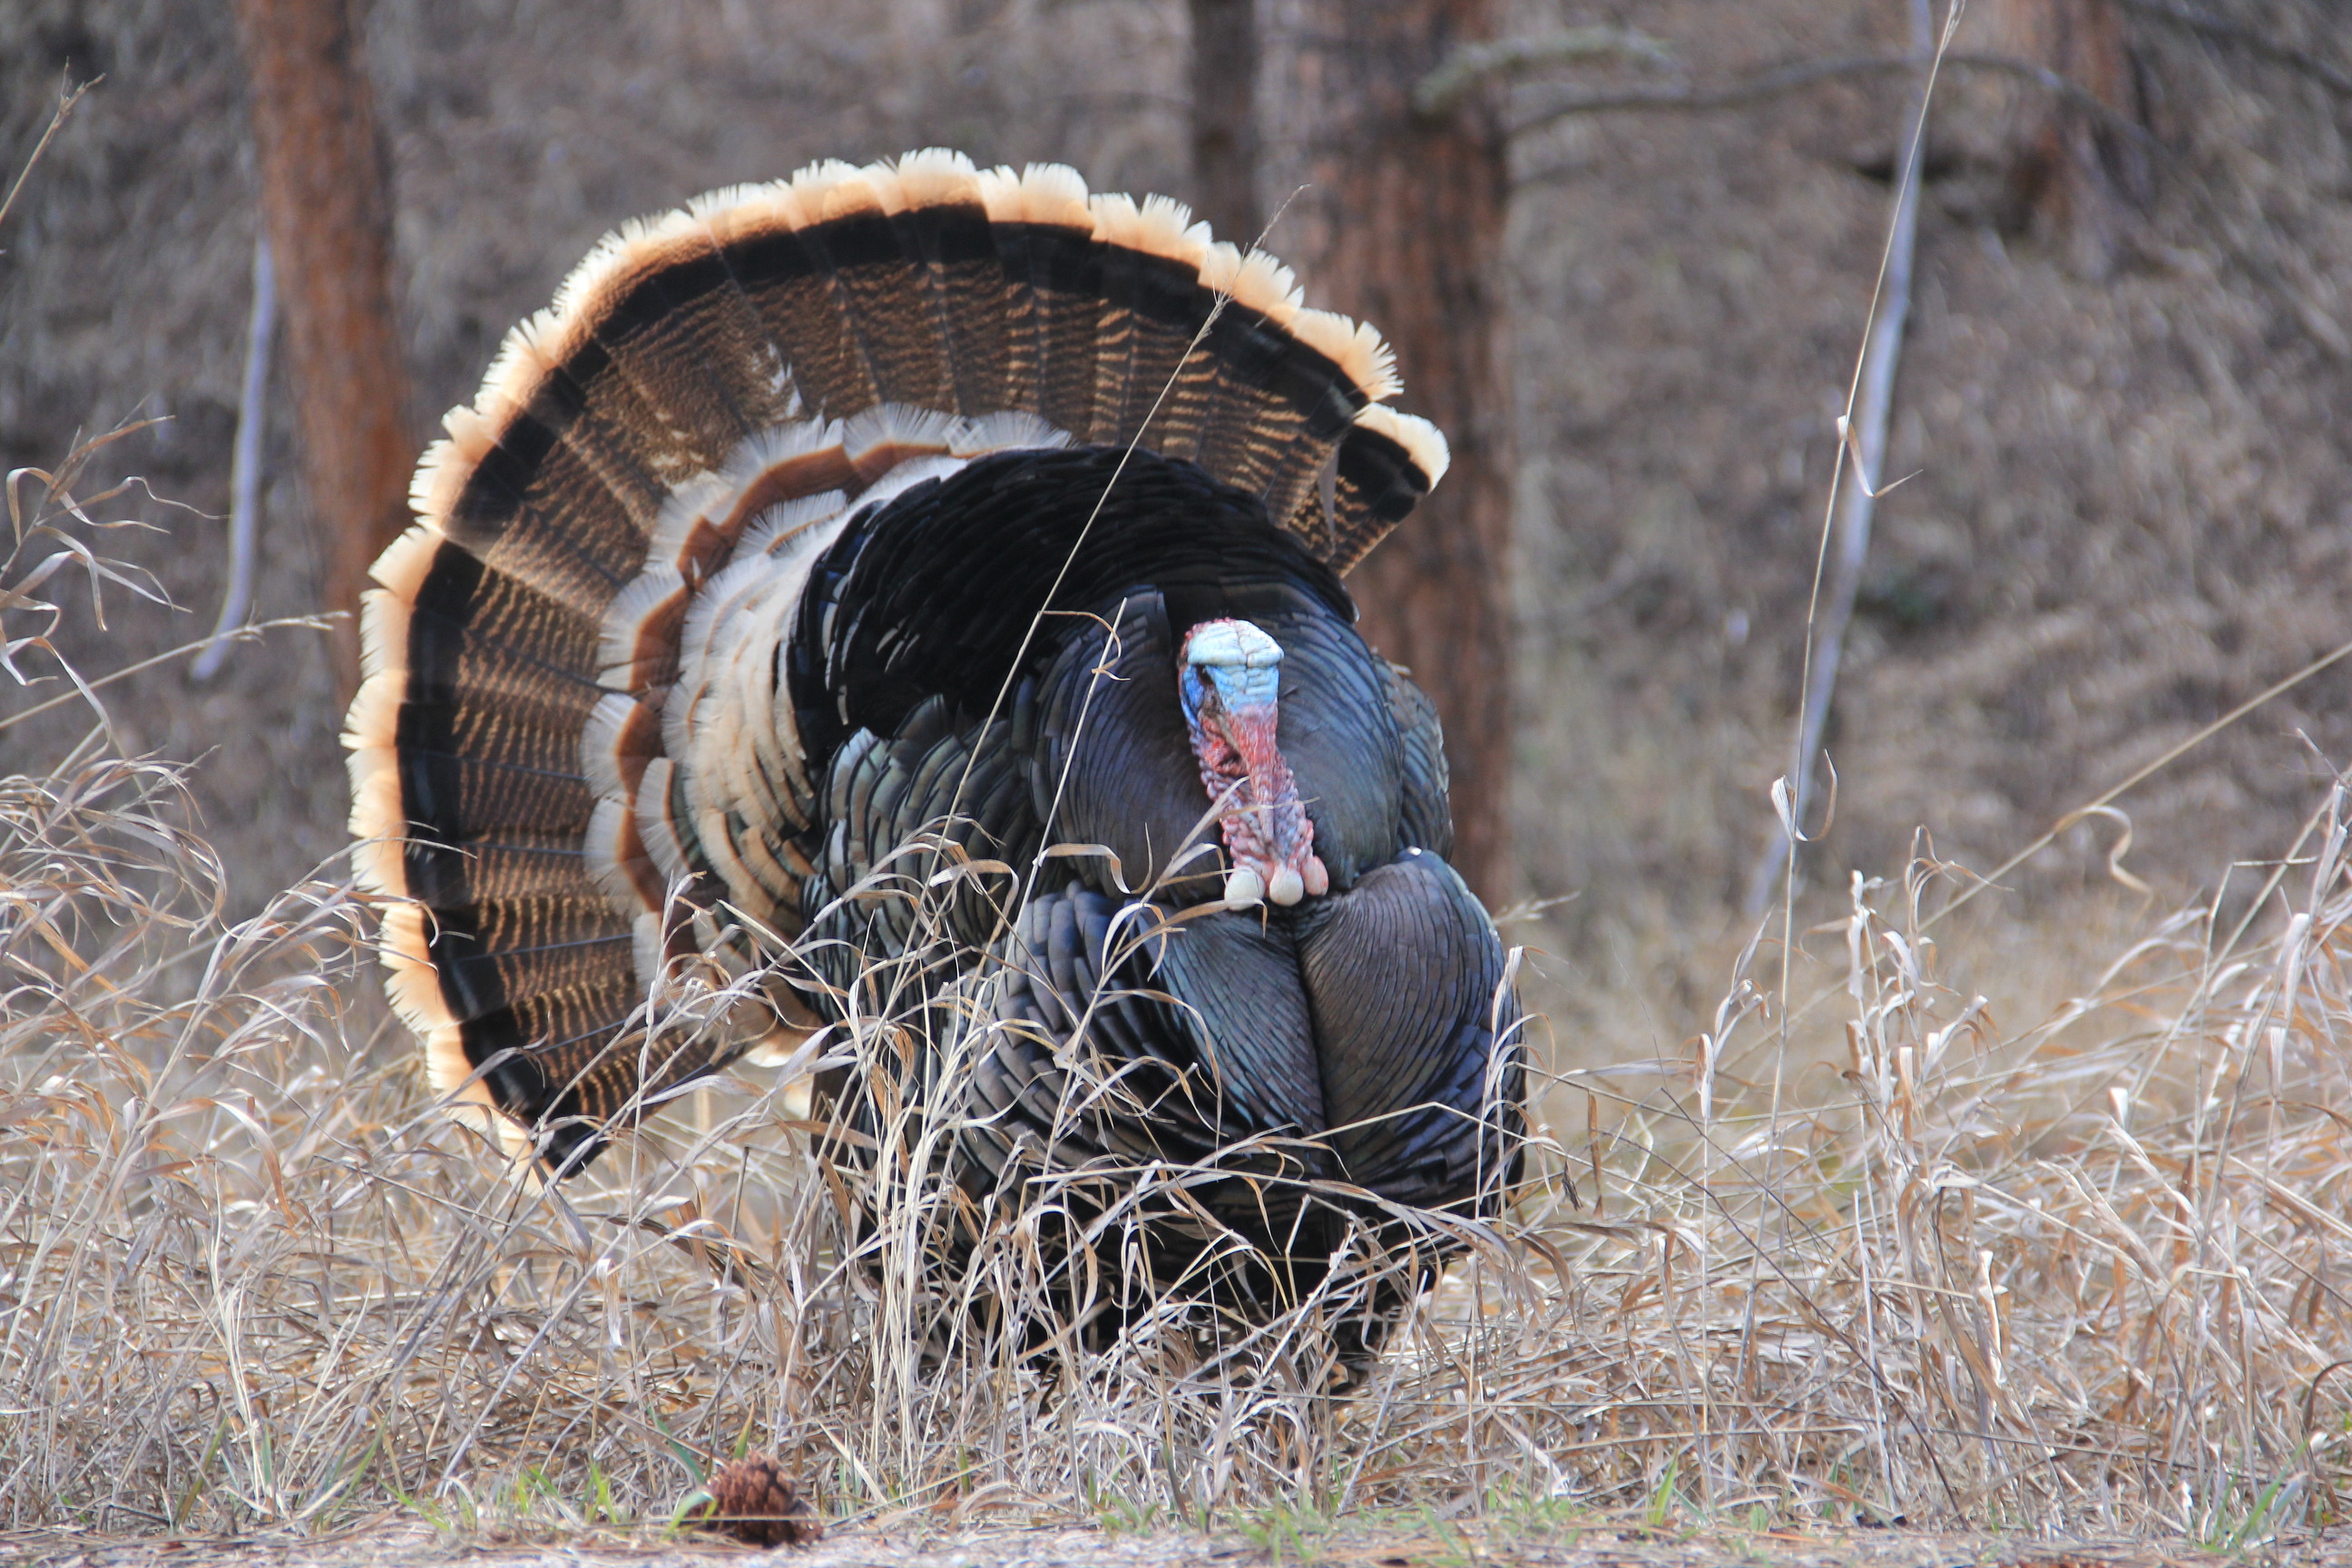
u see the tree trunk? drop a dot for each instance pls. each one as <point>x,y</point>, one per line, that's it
<point>325,203</point>
<point>1224,117</point>
<point>2066,172</point>
<point>1401,223</point>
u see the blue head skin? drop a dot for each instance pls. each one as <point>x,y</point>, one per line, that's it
<point>1229,685</point>
<point>1239,663</point>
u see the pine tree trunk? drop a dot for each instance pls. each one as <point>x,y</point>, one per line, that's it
<point>1224,117</point>
<point>325,201</point>
<point>2067,175</point>
<point>1401,223</point>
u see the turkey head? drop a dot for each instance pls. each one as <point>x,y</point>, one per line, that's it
<point>1230,683</point>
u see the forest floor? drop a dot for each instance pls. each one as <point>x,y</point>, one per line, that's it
<point>1604,1546</point>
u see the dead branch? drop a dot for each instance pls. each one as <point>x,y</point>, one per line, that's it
<point>1443,90</point>
<point>1779,81</point>
<point>244,466</point>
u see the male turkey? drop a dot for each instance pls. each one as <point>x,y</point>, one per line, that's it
<point>918,589</point>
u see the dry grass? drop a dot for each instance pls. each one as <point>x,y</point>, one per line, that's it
<point>2081,1279</point>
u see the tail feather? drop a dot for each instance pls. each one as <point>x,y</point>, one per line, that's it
<point>1120,328</point>
<point>463,795</point>
<point>1153,303</point>
<point>1065,268</point>
<point>941,219</point>
<point>495,866</point>
<point>1386,463</point>
<point>660,302</point>
<point>1167,301</point>
<point>1178,388</point>
<point>515,950</point>
<point>884,290</point>
<point>473,630</point>
<point>529,506</point>
<point>783,272</point>
<point>1043,234</point>
<point>1255,425</point>
<point>1248,422</point>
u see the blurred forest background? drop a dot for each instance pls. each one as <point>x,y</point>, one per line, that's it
<point>2121,396</point>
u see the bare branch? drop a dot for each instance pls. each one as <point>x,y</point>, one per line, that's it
<point>244,465</point>
<point>1443,90</point>
<point>1778,81</point>
<point>247,633</point>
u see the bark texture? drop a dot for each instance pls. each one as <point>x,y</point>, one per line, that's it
<point>1400,221</point>
<point>327,205</point>
<point>2065,172</point>
<point>1224,117</point>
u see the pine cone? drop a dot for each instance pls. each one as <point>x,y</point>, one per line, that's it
<point>757,1503</point>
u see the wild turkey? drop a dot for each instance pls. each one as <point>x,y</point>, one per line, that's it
<point>918,588</point>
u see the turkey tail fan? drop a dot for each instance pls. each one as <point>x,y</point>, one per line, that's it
<point>565,701</point>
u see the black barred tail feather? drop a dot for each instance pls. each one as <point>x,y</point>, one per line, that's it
<point>809,524</point>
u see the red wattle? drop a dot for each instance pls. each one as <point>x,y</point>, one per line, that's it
<point>1266,826</point>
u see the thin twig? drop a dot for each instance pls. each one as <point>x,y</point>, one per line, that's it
<point>66,101</point>
<point>241,634</point>
<point>244,465</point>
